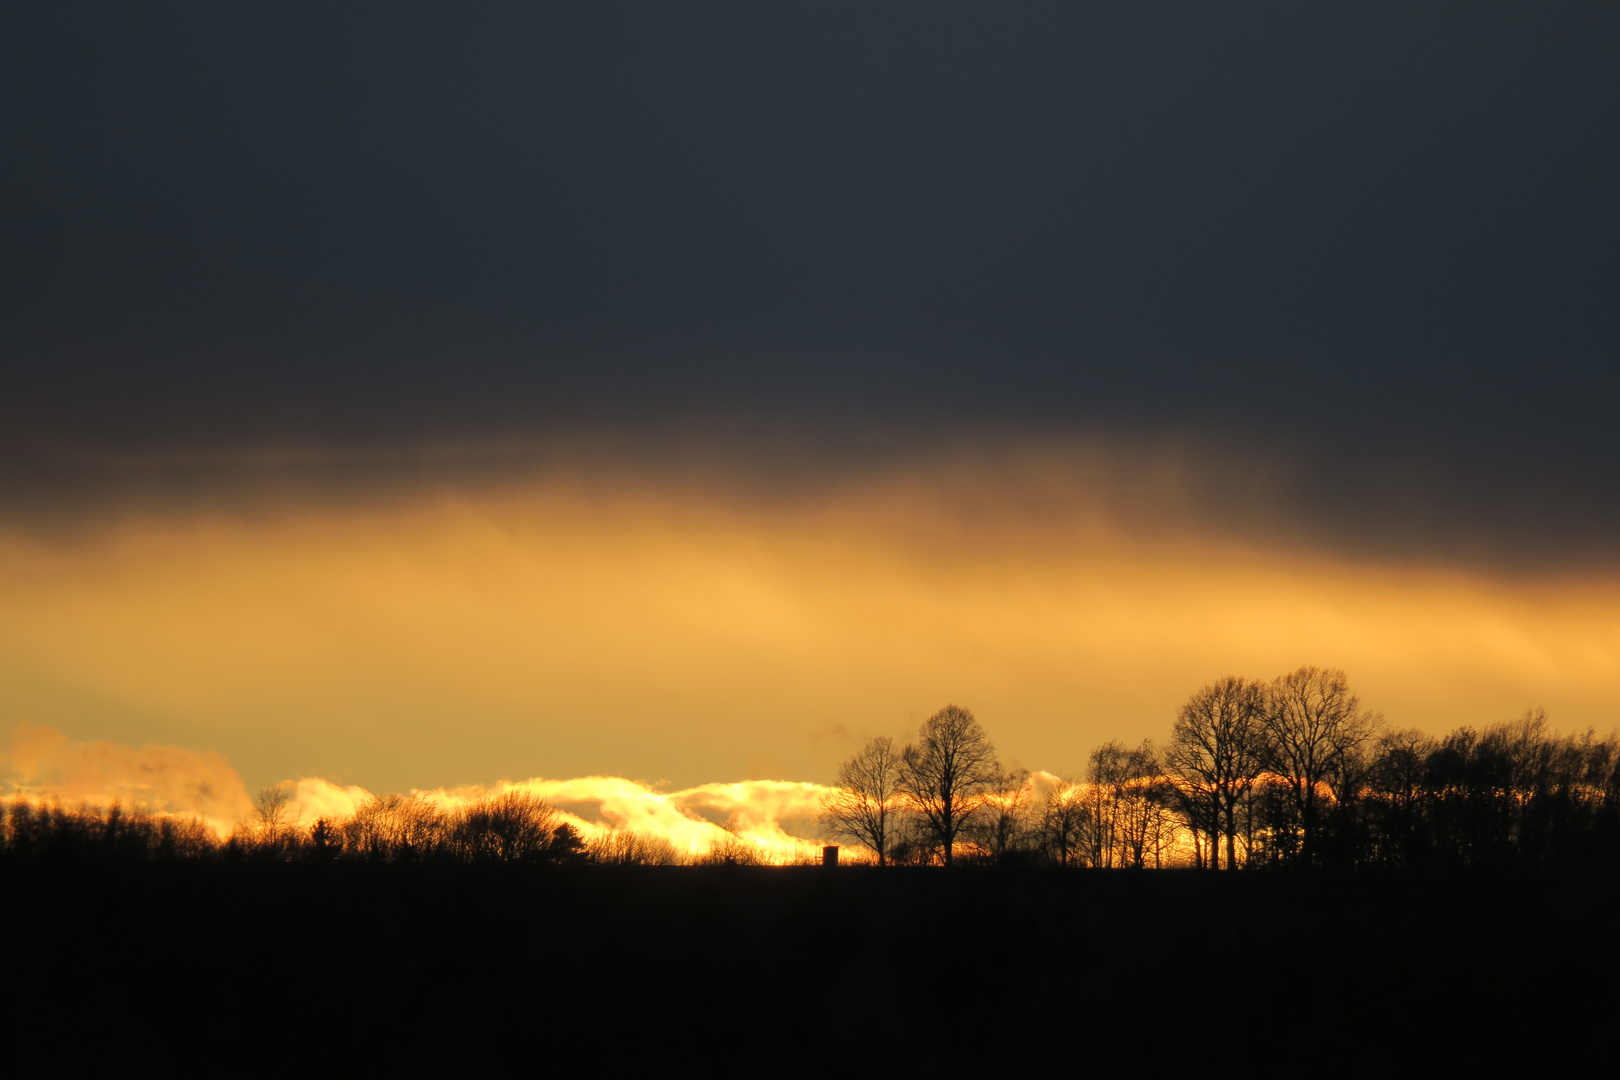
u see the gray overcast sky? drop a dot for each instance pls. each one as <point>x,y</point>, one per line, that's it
<point>1378,240</point>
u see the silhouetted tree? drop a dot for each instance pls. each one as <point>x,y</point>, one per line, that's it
<point>1129,802</point>
<point>622,847</point>
<point>270,827</point>
<point>1315,731</point>
<point>114,832</point>
<point>396,827</point>
<point>948,773</point>
<point>862,808</point>
<point>732,849</point>
<point>1105,772</point>
<point>1215,753</point>
<point>126,834</point>
<point>915,843</point>
<point>272,810</point>
<point>1002,828</point>
<point>514,826</point>
<point>185,838</point>
<point>325,840</point>
<point>1396,796</point>
<point>566,846</point>
<point>1065,823</point>
<point>1143,808</point>
<point>1514,794</point>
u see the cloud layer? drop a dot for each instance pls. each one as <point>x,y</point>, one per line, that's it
<point>44,764</point>
<point>606,625</point>
<point>776,819</point>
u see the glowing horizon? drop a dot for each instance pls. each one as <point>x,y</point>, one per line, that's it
<point>776,820</point>
<point>606,622</point>
<point>44,767</point>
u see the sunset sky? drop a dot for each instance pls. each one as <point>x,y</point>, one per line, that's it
<point>416,396</point>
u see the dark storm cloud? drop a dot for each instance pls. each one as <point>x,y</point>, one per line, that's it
<point>1377,243</point>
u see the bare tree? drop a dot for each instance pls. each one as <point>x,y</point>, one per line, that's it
<point>514,826</point>
<point>914,844</point>
<point>863,806</point>
<point>1003,827</point>
<point>1128,803</point>
<point>271,831</point>
<point>1106,773</point>
<point>1316,732</point>
<point>272,811</point>
<point>185,838</point>
<point>1215,753</point>
<point>948,774</point>
<point>396,827</point>
<point>1065,823</point>
<point>732,849</point>
<point>1139,806</point>
<point>621,847</point>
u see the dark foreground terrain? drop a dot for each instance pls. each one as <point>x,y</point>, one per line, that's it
<point>231,968</point>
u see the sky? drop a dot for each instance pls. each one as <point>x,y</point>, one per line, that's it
<point>415,397</point>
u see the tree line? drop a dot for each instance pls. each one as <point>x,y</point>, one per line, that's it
<point>514,827</point>
<point>1288,773</point>
<point>510,828</point>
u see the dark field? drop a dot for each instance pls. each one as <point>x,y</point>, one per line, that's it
<point>219,967</point>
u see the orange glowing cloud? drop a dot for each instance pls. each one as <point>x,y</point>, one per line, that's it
<point>776,819</point>
<point>45,765</point>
